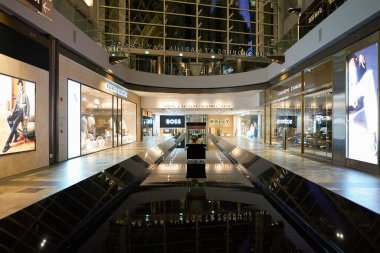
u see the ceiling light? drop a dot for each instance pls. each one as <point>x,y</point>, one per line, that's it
<point>146,52</point>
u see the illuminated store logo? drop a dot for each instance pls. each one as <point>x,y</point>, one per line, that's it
<point>315,15</point>
<point>118,90</point>
<point>284,122</point>
<point>173,121</point>
<point>148,121</point>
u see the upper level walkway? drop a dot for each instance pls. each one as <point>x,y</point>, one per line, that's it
<point>20,191</point>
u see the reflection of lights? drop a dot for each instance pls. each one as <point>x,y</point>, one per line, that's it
<point>340,236</point>
<point>43,243</point>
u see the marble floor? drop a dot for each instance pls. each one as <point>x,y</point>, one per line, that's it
<point>358,186</point>
<point>22,190</point>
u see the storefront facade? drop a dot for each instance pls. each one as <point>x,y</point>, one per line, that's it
<point>100,113</point>
<point>329,110</point>
<point>221,125</point>
<point>171,125</point>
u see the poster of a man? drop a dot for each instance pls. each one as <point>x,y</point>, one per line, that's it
<point>17,114</point>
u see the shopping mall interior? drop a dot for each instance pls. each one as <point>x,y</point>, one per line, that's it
<point>189,126</point>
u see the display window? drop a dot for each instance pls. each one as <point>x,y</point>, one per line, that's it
<point>286,118</point>
<point>318,110</point>
<point>147,126</point>
<point>318,123</point>
<point>103,120</point>
<point>362,93</point>
<point>17,115</point>
<point>221,125</point>
<point>250,126</point>
<point>97,123</point>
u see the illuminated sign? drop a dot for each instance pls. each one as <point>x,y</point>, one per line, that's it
<point>363,105</point>
<point>117,90</point>
<point>315,15</point>
<point>287,121</point>
<point>284,122</point>
<point>172,121</point>
<point>148,121</point>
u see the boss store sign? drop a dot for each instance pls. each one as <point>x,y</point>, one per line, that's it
<point>172,121</point>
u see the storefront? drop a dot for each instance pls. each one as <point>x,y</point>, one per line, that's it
<point>147,126</point>
<point>221,125</point>
<point>99,119</point>
<point>249,126</point>
<point>301,115</point>
<point>331,109</point>
<point>171,125</point>
<point>95,113</point>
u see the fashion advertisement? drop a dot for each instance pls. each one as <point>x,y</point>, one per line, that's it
<point>17,115</point>
<point>362,76</point>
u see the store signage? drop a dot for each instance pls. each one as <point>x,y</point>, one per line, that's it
<point>198,106</point>
<point>315,15</point>
<point>148,121</point>
<point>290,89</point>
<point>45,7</point>
<point>286,121</point>
<point>36,3</point>
<point>219,121</point>
<point>172,121</point>
<point>117,89</point>
<point>121,48</point>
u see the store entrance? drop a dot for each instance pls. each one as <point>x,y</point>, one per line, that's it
<point>196,132</point>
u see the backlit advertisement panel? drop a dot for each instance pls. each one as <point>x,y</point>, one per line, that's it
<point>17,115</point>
<point>73,121</point>
<point>362,93</point>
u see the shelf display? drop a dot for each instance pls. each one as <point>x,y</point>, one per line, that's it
<point>96,132</point>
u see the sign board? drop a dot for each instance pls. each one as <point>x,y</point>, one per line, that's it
<point>286,121</point>
<point>172,121</point>
<point>36,3</point>
<point>117,89</point>
<point>45,7</point>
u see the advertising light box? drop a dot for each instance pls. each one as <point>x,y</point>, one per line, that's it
<point>362,93</point>
<point>17,115</point>
<point>172,121</point>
